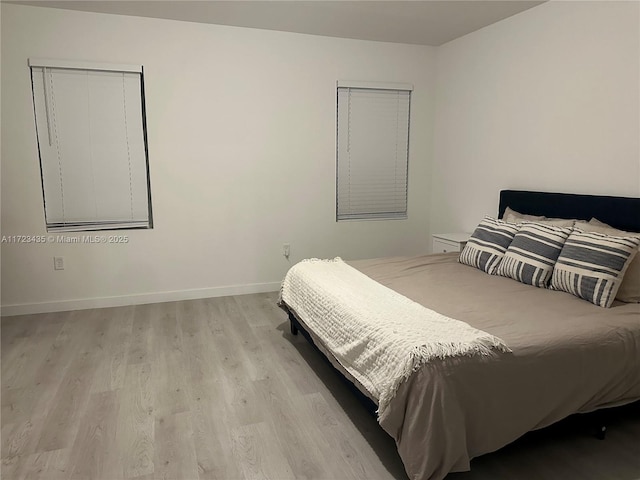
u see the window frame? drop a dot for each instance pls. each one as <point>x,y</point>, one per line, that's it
<point>97,225</point>
<point>362,85</point>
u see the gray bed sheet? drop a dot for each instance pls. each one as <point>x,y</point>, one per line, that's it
<point>568,356</point>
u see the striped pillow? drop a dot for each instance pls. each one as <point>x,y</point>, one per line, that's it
<point>487,244</point>
<point>533,253</point>
<point>629,290</point>
<point>591,265</point>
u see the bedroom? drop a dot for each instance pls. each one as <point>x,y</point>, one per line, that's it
<point>242,161</point>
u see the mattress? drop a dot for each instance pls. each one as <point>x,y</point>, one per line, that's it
<point>568,356</point>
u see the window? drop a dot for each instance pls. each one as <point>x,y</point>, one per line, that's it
<point>372,150</point>
<point>92,142</point>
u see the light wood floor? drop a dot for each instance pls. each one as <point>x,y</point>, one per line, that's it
<point>219,389</point>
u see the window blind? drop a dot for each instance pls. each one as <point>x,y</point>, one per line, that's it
<point>372,152</point>
<point>92,143</point>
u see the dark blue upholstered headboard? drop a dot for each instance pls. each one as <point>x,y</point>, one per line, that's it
<point>619,212</point>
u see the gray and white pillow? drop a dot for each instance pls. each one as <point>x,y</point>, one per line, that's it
<point>533,253</point>
<point>592,265</point>
<point>487,244</point>
<point>629,290</point>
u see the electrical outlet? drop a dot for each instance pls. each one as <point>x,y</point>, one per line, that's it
<point>286,250</point>
<point>58,263</point>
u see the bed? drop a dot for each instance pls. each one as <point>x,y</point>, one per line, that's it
<point>562,355</point>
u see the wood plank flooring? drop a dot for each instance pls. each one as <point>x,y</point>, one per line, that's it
<point>219,389</point>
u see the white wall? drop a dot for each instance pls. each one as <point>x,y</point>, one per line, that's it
<point>545,100</point>
<point>242,141</point>
<point>241,130</point>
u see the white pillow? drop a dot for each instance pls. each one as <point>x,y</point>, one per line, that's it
<point>512,216</point>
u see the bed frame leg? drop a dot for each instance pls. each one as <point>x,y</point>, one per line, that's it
<point>600,419</point>
<point>294,329</point>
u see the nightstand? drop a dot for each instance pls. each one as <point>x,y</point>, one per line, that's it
<point>449,242</point>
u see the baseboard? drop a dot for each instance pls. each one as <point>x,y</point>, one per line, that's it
<point>138,299</point>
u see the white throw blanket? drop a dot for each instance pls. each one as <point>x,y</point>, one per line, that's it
<point>379,336</point>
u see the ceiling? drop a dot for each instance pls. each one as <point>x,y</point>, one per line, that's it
<point>414,22</point>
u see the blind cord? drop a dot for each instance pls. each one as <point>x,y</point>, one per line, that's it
<point>45,71</point>
<point>93,176</point>
<point>126,132</point>
<point>349,147</point>
<point>57,139</point>
<point>395,163</point>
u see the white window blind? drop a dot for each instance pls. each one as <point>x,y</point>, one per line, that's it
<point>373,152</point>
<point>92,142</point>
